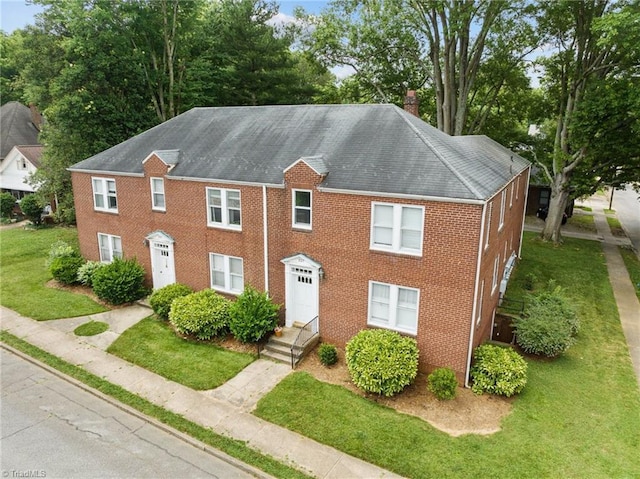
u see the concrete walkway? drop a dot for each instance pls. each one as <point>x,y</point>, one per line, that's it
<point>623,289</point>
<point>225,410</point>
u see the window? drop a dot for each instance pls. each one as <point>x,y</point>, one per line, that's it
<point>397,228</point>
<point>302,209</point>
<point>157,194</point>
<point>544,198</point>
<point>223,208</point>
<point>487,227</point>
<point>480,299</point>
<point>393,307</point>
<point>503,200</point>
<point>511,197</point>
<point>104,195</point>
<point>496,268</point>
<point>22,163</point>
<point>110,247</point>
<point>226,273</point>
<point>517,186</point>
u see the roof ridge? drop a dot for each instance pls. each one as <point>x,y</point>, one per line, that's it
<point>446,163</point>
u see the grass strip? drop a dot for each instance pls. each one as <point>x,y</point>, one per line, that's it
<point>632,263</point>
<point>232,447</point>
<point>91,328</point>
<point>615,226</point>
<point>200,365</point>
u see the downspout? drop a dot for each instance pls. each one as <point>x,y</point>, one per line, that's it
<point>524,211</point>
<point>265,244</point>
<point>475,295</point>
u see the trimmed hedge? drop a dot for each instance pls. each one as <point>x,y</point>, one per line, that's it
<point>498,370</point>
<point>328,354</point>
<point>7,202</point>
<point>252,315</point>
<point>443,384</point>
<point>32,208</point>
<point>161,299</point>
<point>121,281</point>
<point>204,314</point>
<point>382,361</point>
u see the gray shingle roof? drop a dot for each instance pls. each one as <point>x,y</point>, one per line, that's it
<point>372,148</point>
<point>16,127</point>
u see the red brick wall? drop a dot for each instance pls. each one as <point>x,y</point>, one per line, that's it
<point>444,274</point>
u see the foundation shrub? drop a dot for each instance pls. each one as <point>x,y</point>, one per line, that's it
<point>328,354</point>
<point>252,315</point>
<point>161,299</point>
<point>203,314</point>
<point>32,208</point>
<point>498,370</point>
<point>121,281</point>
<point>86,272</point>
<point>7,202</point>
<point>65,268</point>
<point>442,383</point>
<point>382,361</point>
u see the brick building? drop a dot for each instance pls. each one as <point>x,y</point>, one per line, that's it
<point>361,215</point>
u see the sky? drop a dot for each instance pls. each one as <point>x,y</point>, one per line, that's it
<point>16,14</point>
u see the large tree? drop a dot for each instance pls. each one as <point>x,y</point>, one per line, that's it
<point>591,80</point>
<point>441,46</point>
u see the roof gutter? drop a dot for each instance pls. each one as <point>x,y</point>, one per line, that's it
<point>441,199</point>
<point>105,173</point>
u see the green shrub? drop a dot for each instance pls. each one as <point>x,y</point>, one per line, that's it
<point>382,361</point>
<point>204,314</point>
<point>7,202</point>
<point>252,315</point>
<point>60,249</point>
<point>442,383</point>
<point>161,299</point>
<point>498,370</point>
<point>530,280</point>
<point>86,272</point>
<point>328,354</point>
<point>65,269</point>
<point>549,325</point>
<point>32,208</point>
<point>121,281</point>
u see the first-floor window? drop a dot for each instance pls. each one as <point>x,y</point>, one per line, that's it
<point>110,247</point>
<point>226,273</point>
<point>393,307</point>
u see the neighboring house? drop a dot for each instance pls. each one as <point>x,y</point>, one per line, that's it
<point>16,167</point>
<point>20,150</point>
<point>361,215</point>
<point>540,193</point>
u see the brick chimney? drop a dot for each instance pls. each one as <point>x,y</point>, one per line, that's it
<point>412,103</point>
<point>36,116</point>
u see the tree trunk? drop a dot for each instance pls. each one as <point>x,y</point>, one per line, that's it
<point>557,205</point>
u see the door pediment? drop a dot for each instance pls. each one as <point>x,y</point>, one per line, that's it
<point>301,260</point>
<point>160,236</point>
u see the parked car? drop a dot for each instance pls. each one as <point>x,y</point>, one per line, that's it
<point>543,212</point>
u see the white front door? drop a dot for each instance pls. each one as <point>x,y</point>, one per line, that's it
<point>162,264</point>
<point>302,281</point>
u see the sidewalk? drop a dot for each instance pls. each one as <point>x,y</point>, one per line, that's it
<point>623,289</point>
<point>226,410</point>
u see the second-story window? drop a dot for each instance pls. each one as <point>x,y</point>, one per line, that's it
<point>223,208</point>
<point>397,228</point>
<point>104,195</point>
<point>157,194</point>
<point>302,209</point>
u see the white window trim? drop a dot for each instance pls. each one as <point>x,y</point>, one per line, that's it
<point>110,240</point>
<point>480,301</point>
<point>225,209</point>
<point>397,230</point>
<point>393,306</point>
<point>494,282</point>
<point>154,206</point>
<point>294,224</point>
<point>227,274</point>
<point>488,225</point>
<point>511,196</point>
<point>105,194</point>
<point>503,205</point>
<point>517,186</point>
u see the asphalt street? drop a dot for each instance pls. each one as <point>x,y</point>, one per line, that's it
<point>51,428</point>
<point>627,206</point>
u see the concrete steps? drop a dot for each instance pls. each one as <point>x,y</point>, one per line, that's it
<point>278,348</point>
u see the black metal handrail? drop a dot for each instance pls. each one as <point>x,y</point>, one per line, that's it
<point>306,333</point>
<point>512,306</point>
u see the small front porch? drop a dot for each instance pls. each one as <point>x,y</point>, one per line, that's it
<point>293,344</point>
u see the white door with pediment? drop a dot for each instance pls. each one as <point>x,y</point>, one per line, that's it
<point>302,281</point>
<point>162,262</point>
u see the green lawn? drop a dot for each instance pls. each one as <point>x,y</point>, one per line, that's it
<point>153,345</point>
<point>632,263</point>
<point>585,222</point>
<point>23,275</point>
<point>616,226</point>
<point>579,415</point>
